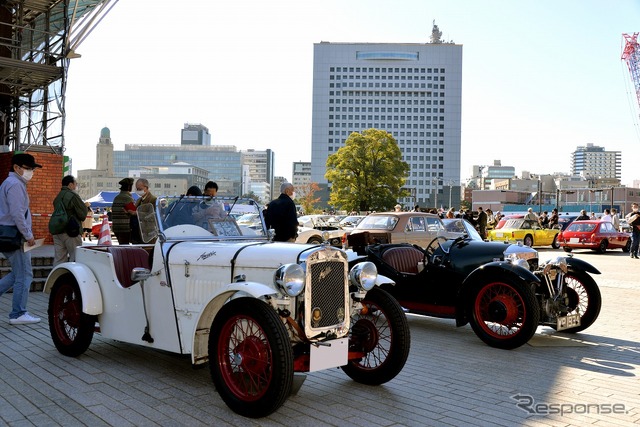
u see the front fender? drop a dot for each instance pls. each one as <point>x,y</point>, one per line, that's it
<point>381,280</point>
<point>200,336</point>
<point>86,280</point>
<point>489,271</point>
<point>581,265</point>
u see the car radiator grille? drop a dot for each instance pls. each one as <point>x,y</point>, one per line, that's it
<point>326,292</point>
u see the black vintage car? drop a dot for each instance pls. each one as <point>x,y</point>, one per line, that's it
<point>502,290</point>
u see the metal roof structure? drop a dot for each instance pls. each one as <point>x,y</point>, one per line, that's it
<point>37,40</point>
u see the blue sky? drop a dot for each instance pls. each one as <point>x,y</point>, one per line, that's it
<point>539,77</point>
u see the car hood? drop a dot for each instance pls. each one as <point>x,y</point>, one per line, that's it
<point>267,255</point>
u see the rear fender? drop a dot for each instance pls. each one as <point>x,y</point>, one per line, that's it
<point>200,352</point>
<point>490,271</point>
<point>89,287</point>
<point>579,264</point>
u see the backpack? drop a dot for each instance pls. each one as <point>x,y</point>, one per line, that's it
<point>59,220</point>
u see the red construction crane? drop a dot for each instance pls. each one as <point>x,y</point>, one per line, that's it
<point>631,55</point>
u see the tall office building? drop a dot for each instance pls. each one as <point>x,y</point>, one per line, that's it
<point>301,174</point>
<point>411,90</point>
<point>593,162</point>
<point>195,134</point>
<point>258,166</point>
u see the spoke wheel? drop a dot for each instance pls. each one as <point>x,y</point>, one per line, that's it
<point>583,296</point>
<point>250,357</point>
<point>380,338</point>
<point>504,314</point>
<point>70,328</point>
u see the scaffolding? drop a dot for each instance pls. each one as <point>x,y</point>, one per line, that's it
<point>38,38</point>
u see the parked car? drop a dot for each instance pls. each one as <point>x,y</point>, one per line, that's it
<point>565,220</point>
<point>256,311</point>
<point>624,226</point>
<point>527,231</point>
<point>315,229</point>
<point>460,227</point>
<point>417,228</point>
<point>504,291</point>
<point>595,235</point>
<point>350,222</point>
<point>506,218</point>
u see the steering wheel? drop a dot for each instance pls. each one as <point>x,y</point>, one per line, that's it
<point>432,248</point>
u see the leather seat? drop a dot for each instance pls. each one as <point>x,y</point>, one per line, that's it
<point>403,259</point>
<point>125,259</point>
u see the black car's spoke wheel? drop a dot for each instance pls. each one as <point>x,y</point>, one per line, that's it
<point>583,296</point>
<point>379,339</point>
<point>250,357</point>
<point>504,313</point>
<point>70,328</point>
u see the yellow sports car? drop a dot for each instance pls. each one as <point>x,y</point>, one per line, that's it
<point>528,232</point>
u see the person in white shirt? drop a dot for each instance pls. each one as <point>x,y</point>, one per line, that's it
<point>606,216</point>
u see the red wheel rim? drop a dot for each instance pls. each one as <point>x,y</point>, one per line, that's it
<point>499,310</point>
<point>245,358</point>
<point>67,309</point>
<point>374,334</point>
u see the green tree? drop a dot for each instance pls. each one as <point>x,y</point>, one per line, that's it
<point>368,173</point>
<point>254,196</point>
<point>305,197</point>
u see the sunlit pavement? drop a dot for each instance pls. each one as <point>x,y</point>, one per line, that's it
<point>451,377</point>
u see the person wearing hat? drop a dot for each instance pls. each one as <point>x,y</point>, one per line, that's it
<point>14,211</point>
<point>398,208</point>
<point>122,209</point>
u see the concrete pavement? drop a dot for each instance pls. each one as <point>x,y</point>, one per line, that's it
<point>451,377</point>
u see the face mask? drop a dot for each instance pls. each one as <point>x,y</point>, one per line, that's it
<point>27,174</point>
<point>140,193</point>
<point>293,195</point>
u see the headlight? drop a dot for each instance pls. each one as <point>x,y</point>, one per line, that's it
<point>290,279</point>
<point>559,262</point>
<point>364,275</point>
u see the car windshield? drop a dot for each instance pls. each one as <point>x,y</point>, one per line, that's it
<point>582,227</point>
<point>204,217</point>
<point>378,222</point>
<point>520,224</point>
<point>459,225</point>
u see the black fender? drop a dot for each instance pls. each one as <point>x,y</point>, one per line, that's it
<point>488,272</point>
<point>579,264</point>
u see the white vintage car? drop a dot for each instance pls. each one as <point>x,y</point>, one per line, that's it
<point>257,311</point>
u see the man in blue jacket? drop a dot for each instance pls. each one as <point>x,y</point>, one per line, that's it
<point>14,211</point>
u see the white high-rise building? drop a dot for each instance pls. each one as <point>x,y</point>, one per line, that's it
<point>411,90</point>
<point>594,162</point>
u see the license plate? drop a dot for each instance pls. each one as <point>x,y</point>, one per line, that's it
<point>566,322</point>
<point>574,240</point>
<point>498,234</point>
<point>330,354</point>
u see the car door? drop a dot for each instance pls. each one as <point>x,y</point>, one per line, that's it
<point>416,231</point>
<point>607,232</point>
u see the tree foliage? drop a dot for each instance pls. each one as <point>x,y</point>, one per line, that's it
<point>305,197</point>
<point>368,173</point>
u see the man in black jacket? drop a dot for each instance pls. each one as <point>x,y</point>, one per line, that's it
<point>281,215</point>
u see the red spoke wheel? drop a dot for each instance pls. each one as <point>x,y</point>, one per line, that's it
<point>250,357</point>
<point>379,339</point>
<point>70,328</point>
<point>504,314</point>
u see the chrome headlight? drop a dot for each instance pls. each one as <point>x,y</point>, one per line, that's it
<point>290,279</point>
<point>364,275</point>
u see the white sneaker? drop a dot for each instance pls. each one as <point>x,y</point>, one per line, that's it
<point>24,319</point>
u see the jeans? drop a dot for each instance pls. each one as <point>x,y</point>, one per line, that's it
<point>20,279</point>
<point>635,240</point>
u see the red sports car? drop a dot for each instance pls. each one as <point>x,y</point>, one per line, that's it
<point>596,235</point>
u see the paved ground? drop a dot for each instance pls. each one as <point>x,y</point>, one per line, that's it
<point>451,377</point>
